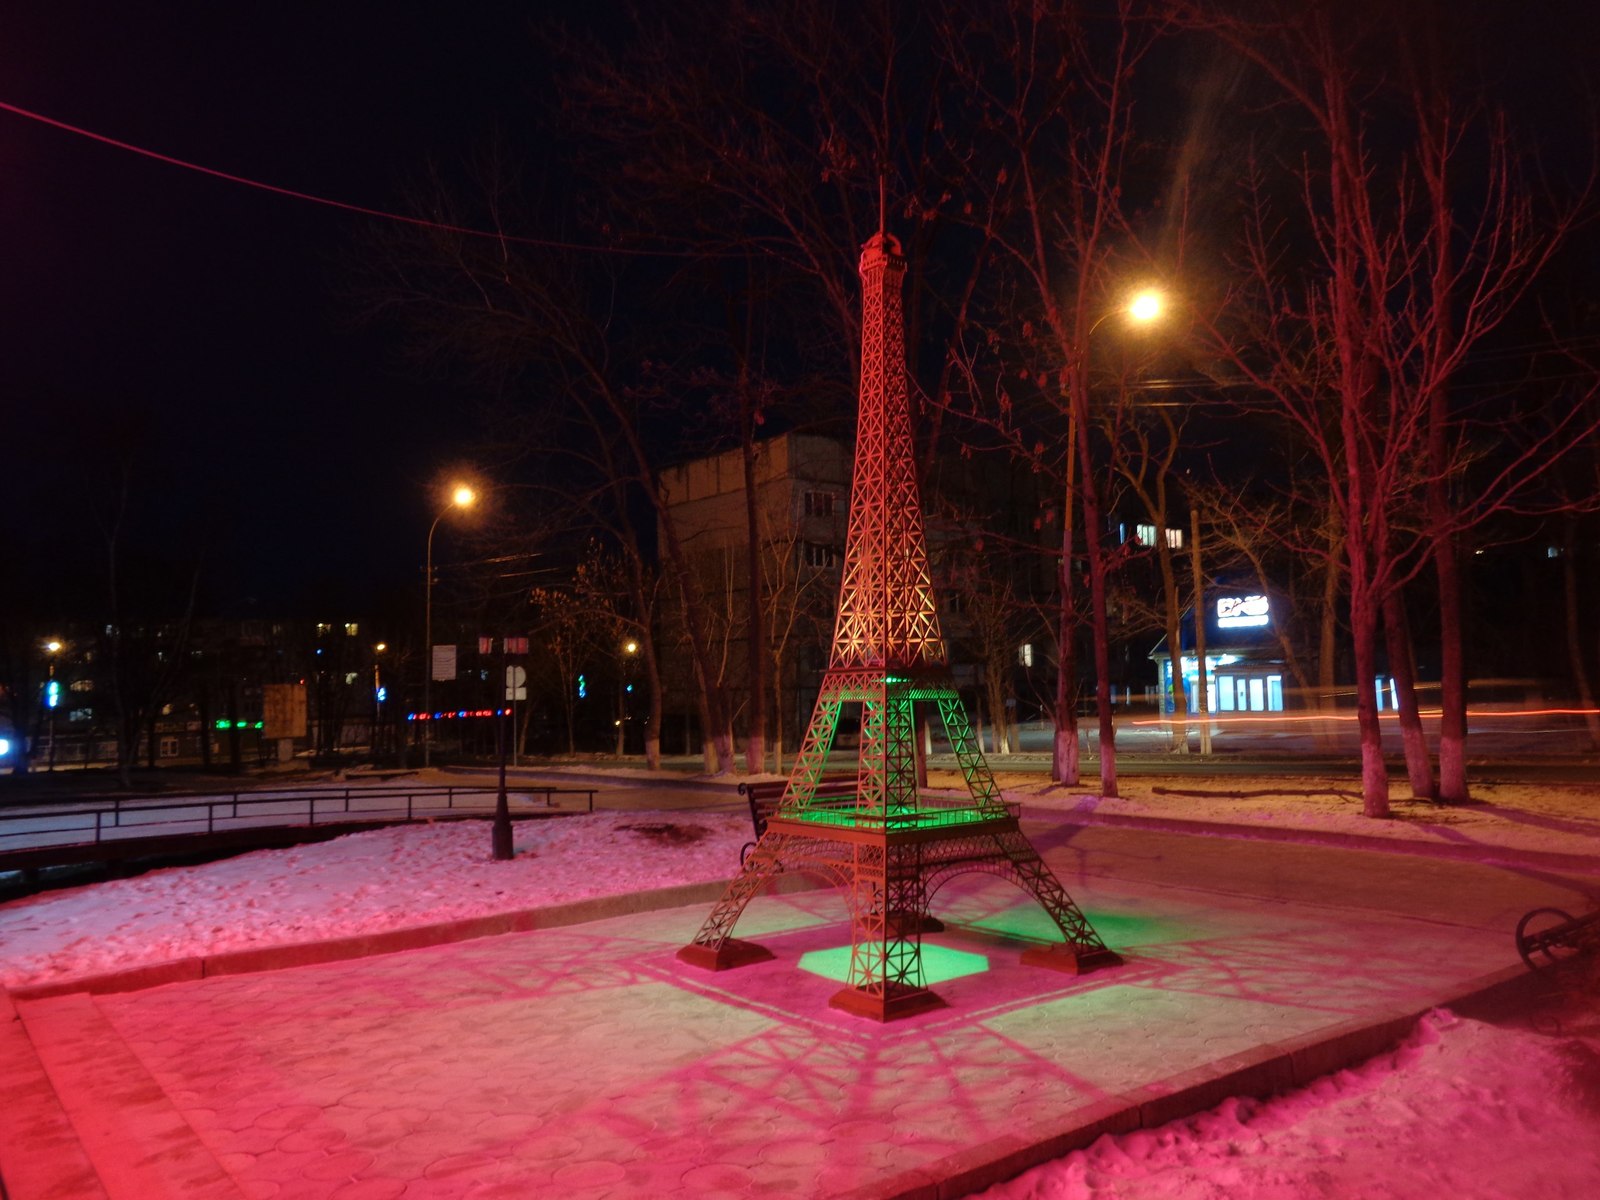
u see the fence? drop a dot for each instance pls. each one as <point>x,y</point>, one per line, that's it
<point>94,821</point>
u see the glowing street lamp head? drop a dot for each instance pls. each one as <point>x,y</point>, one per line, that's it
<point>463,496</point>
<point>1145,306</point>
<point>53,647</point>
<point>630,647</point>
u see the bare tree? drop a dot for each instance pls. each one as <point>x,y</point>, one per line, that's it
<point>1368,303</point>
<point>1052,102</point>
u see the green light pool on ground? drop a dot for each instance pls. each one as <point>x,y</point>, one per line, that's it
<point>939,963</point>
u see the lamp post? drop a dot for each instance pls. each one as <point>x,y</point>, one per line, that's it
<point>630,648</point>
<point>377,699</point>
<point>52,697</point>
<point>461,496</point>
<point>1140,308</point>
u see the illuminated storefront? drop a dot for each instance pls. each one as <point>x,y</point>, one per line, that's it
<point>1244,663</point>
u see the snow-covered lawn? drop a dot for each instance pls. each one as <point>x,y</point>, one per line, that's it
<point>1562,818</point>
<point>360,883</point>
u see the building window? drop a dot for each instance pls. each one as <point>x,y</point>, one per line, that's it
<point>1225,693</point>
<point>815,554</point>
<point>1025,654</point>
<point>1145,535</point>
<point>351,629</point>
<point>169,747</point>
<point>81,685</point>
<point>81,714</point>
<point>819,504</point>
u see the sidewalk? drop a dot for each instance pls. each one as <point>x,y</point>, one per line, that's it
<point>586,1061</point>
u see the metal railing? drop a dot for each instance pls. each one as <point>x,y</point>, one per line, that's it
<point>90,822</point>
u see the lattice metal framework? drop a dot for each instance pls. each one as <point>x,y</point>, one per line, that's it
<point>888,845</point>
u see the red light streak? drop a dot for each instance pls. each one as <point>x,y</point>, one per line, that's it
<point>1389,714</point>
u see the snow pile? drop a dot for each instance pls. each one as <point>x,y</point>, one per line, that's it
<point>1461,1109</point>
<point>357,884</point>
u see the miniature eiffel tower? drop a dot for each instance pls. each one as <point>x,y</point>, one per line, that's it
<point>889,846</point>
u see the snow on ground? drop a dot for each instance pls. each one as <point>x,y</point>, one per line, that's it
<point>1562,818</point>
<point>1461,1109</point>
<point>360,883</point>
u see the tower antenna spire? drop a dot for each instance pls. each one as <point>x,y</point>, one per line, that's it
<point>883,199</point>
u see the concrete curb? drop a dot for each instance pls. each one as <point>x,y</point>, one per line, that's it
<point>299,954</point>
<point>1583,864</point>
<point>1266,1070</point>
<point>41,1154</point>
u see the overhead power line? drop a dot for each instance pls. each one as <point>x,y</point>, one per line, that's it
<point>382,214</point>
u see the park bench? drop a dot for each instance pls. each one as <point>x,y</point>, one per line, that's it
<point>764,795</point>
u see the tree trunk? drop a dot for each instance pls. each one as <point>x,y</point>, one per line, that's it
<point>1099,621</point>
<point>1575,623</point>
<point>1397,635</point>
<point>1179,732</point>
<point>755,753</point>
<point>1374,775</point>
<point>995,702</point>
<point>1064,744</point>
<point>1453,786</point>
<point>1328,659</point>
<point>652,728</point>
<point>777,718</point>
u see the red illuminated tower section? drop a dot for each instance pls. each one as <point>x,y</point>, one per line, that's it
<point>862,821</point>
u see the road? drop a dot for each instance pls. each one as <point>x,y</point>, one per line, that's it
<point>1450,893</point>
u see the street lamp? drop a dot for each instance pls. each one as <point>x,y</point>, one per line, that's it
<point>1141,307</point>
<point>1146,306</point>
<point>463,497</point>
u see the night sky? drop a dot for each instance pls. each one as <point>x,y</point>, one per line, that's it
<point>202,330</point>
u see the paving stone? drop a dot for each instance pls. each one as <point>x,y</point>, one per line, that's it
<point>587,1061</point>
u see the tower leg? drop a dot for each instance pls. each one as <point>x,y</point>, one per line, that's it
<point>888,903</point>
<point>715,948</point>
<point>1083,950</point>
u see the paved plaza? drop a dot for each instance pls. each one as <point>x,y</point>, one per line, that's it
<point>587,1061</point>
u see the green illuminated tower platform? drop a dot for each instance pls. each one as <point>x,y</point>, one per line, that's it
<point>874,833</point>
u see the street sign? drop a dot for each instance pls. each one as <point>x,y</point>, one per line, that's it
<point>444,662</point>
<point>283,711</point>
<point>516,683</point>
